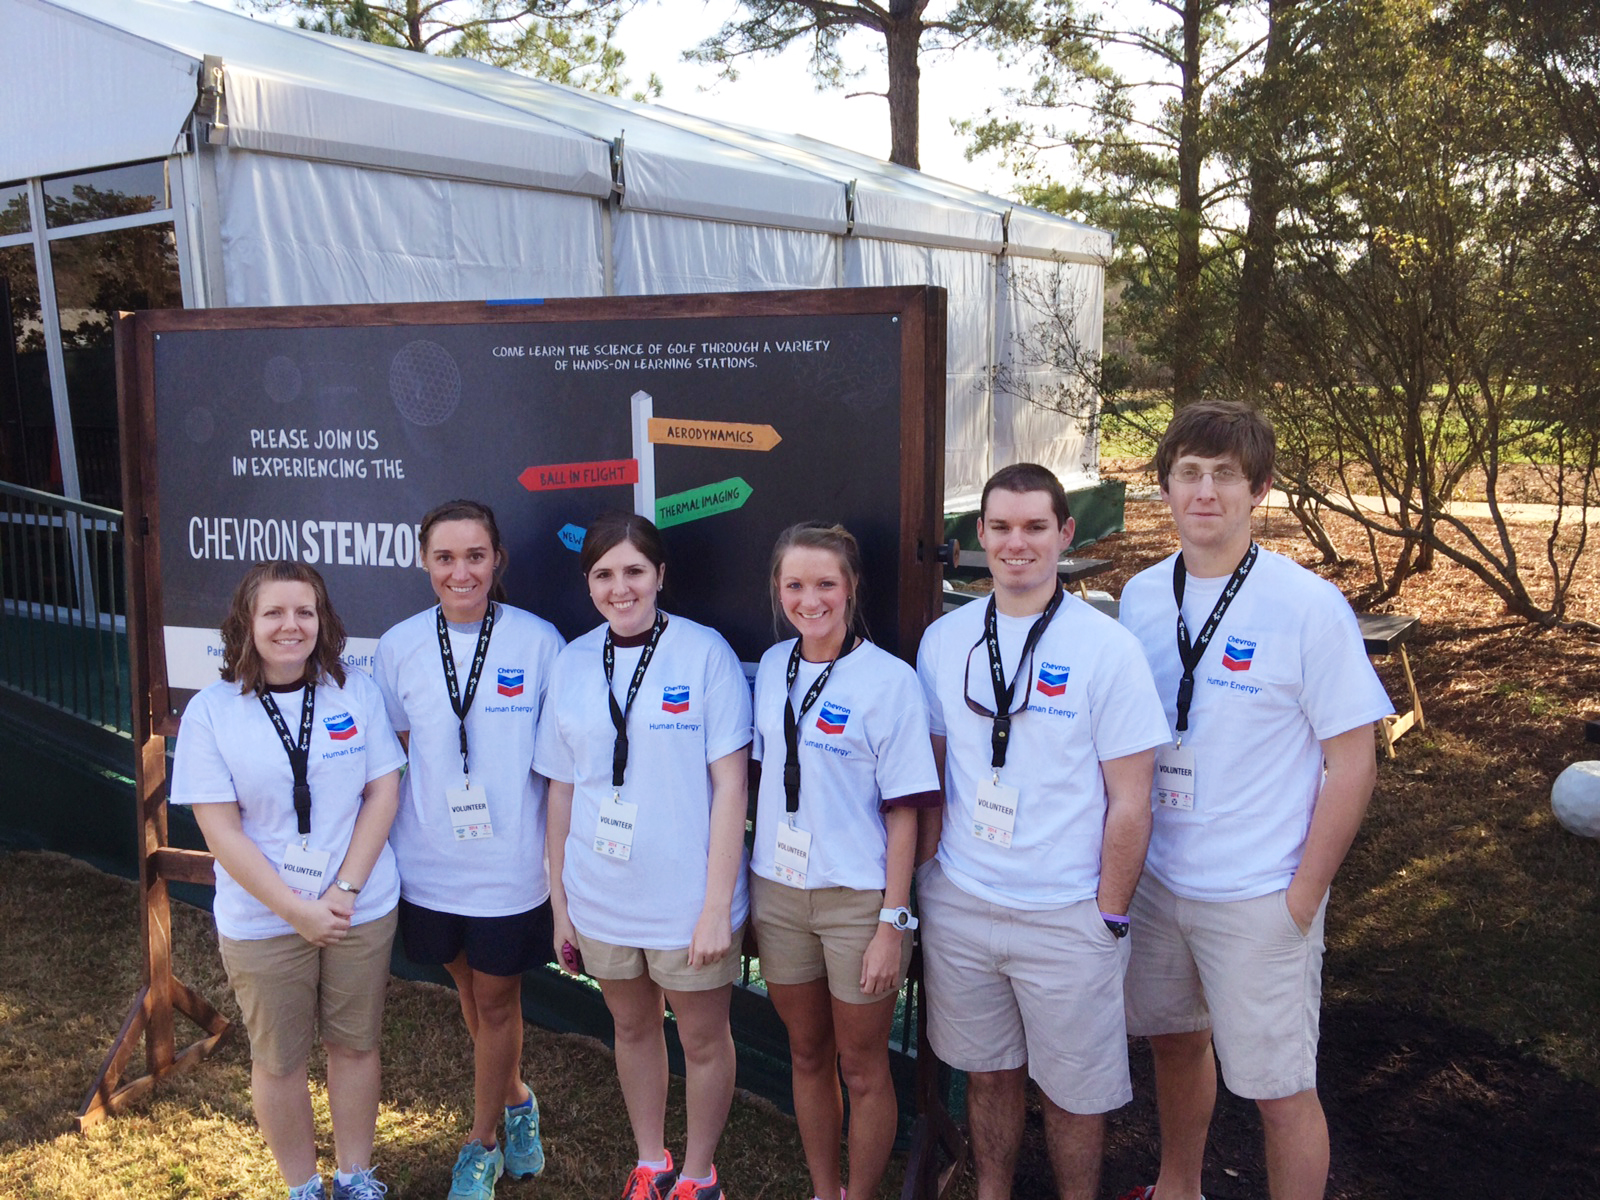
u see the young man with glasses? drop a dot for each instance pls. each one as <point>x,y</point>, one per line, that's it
<point>1045,721</point>
<point>1257,798</point>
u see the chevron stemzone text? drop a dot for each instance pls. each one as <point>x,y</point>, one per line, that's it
<point>342,543</point>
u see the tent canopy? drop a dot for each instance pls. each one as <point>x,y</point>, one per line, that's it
<point>336,171</point>
<point>293,92</point>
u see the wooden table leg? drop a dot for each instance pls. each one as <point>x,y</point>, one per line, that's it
<point>1416,698</point>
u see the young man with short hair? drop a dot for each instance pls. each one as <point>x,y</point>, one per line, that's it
<point>1257,799</point>
<point>1045,720</point>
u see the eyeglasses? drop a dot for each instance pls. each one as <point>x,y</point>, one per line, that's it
<point>982,709</point>
<point>1222,477</point>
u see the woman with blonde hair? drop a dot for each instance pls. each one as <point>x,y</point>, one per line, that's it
<point>841,733</point>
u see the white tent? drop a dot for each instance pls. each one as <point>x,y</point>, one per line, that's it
<point>306,169</point>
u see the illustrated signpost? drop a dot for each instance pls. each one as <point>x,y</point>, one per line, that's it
<point>692,505</point>
<point>324,434</point>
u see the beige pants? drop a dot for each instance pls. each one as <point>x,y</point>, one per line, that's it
<point>286,986</point>
<point>808,934</point>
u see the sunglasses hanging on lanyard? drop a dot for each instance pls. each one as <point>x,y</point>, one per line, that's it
<point>994,818</point>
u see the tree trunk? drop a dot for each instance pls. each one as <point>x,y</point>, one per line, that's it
<point>414,26</point>
<point>1316,532</point>
<point>903,36</point>
<point>1186,279</point>
<point>1266,202</point>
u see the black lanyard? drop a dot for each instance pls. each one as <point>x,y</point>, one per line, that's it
<point>462,703</point>
<point>299,753</point>
<point>1000,735</point>
<point>1190,655</point>
<point>791,720</point>
<point>619,716</point>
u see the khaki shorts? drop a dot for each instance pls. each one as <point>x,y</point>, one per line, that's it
<point>286,986</point>
<point>1009,988</point>
<point>669,969</point>
<point>822,932</point>
<point>1240,968</point>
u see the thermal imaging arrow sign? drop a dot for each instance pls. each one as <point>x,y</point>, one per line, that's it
<point>580,475</point>
<point>721,435</point>
<point>701,502</point>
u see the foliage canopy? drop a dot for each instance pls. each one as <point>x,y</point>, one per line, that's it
<point>1377,219</point>
<point>565,41</point>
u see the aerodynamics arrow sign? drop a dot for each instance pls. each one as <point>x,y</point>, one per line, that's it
<point>721,435</point>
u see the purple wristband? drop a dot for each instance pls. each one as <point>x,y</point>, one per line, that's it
<point>1114,918</point>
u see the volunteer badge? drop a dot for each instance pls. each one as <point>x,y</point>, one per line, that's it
<point>1052,679</point>
<point>341,727</point>
<point>1236,655</point>
<point>510,683</point>
<point>832,718</point>
<point>675,699</point>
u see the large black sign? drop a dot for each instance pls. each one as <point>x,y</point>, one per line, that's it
<point>323,435</point>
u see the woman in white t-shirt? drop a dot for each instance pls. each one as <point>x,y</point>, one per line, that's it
<point>464,681</point>
<point>645,746</point>
<point>842,738</point>
<point>293,774</point>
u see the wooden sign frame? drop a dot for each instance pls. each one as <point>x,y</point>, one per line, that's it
<point>919,459</point>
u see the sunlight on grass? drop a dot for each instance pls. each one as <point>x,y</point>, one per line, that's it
<point>1471,902</point>
<point>197,1137</point>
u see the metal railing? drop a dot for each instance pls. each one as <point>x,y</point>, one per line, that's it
<point>63,608</point>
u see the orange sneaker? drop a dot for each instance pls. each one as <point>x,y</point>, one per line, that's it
<point>686,1189</point>
<point>647,1183</point>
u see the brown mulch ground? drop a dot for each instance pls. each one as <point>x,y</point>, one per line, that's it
<point>1462,979</point>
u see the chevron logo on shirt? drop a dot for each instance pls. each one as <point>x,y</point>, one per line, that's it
<point>832,718</point>
<point>510,683</point>
<point>1052,679</point>
<point>1237,654</point>
<point>675,699</point>
<point>341,727</point>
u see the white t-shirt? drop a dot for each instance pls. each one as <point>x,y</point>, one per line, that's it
<point>1285,671</point>
<point>692,709</point>
<point>1090,699</point>
<point>505,874</point>
<point>862,745</point>
<point>229,753</point>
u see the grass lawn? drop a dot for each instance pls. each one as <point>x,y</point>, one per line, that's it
<point>69,969</point>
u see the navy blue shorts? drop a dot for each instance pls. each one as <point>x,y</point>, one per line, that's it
<point>493,945</point>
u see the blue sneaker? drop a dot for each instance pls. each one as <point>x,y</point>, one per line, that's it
<point>311,1189</point>
<point>476,1170</point>
<point>524,1154</point>
<point>363,1185</point>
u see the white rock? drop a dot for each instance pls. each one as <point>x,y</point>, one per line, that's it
<point>1575,799</point>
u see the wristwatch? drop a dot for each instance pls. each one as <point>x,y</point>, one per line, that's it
<point>900,918</point>
<point>345,885</point>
